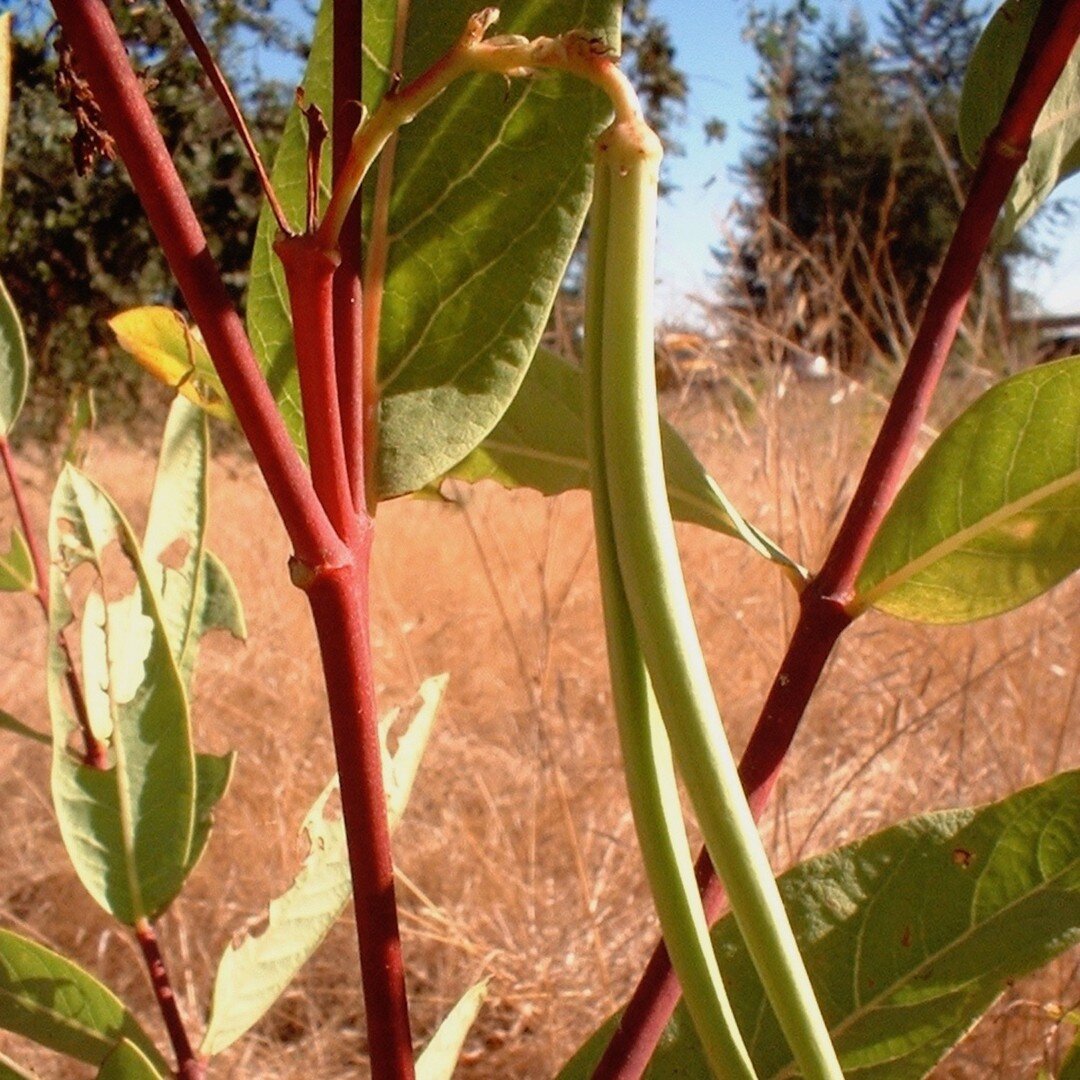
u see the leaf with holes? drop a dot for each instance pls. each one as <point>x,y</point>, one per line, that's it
<point>17,566</point>
<point>909,936</point>
<point>194,590</point>
<point>990,518</point>
<point>128,828</point>
<point>46,998</point>
<point>491,184</point>
<point>255,970</point>
<point>540,443</point>
<point>1055,143</point>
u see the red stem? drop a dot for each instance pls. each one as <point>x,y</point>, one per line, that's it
<point>339,603</point>
<point>355,394</point>
<point>189,1066</point>
<point>95,755</point>
<point>309,275</point>
<point>102,61</point>
<point>823,616</point>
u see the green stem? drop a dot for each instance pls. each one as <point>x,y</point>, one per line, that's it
<point>650,773</point>
<point>648,560</point>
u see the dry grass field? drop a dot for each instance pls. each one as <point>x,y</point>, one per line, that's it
<point>517,853</point>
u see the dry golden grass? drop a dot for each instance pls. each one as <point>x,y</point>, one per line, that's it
<point>517,853</point>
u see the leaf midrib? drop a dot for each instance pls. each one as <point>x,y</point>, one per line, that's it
<point>872,1004</point>
<point>957,540</point>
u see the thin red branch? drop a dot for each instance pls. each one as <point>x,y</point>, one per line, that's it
<point>95,755</point>
<point>230,104</point>
<point>823,615</point>
<point>356,392</point>
<point>339,603</point>
<point>102,61</point>
<point>309,274</point>
<point>189,1066</point>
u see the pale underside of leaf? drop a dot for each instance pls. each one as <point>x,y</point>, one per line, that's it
<point>440,1056</point>
<point>254,971</point>
<point>127,828</point>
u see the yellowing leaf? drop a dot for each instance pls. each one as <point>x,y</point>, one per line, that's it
<point>163,343</point>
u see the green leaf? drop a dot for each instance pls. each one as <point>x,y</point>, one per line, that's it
<point>990,518</point>
<point>128,828</point>
<point>439,1058</point>
<point>1070,1064</point>
<point>81,419</point>
<point>48,999</point>
<point>540,443</point>
<point>909,936</point>
<point>1055,143</point>
<point>212,776</point>
<point>127,1062</point>
<point>254,971</point>
<point>17,567</point>
<point>14,363</point>
<point>491,184</point>
<point>9,723</point>
<point>174,353</point>
<point>9,1070</point>
<point>194,590</point>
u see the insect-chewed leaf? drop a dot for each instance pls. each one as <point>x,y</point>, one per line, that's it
<point>990,518</point>
<point>909,935</point>
<point>174,353</point>
<point>439,1058</point>
<point>195,592</point>
<point>255,970</point>
<point>491,184</point>
<point>46,998</point>
<point>127,1062</point>
<point>1055,142</point>
<point>17,567</point>
<point>128,828</point>
<point>14,363</point>
<point>540,443</point>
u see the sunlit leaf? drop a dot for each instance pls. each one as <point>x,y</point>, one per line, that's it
<point>128,828</point>
<point>254,971</point>
<point>1055,142</point>
<point>127,1062</point>
<point>440,1056</point>
<point>990,518</point>
<point>14,363</point>
<point>491,186</point>
<point>53,1002</point>
<point>173,352</point>
<point>908,935</point>
<point>17,566</point>
<point>17,727</point>
<point>540,443</point>
<point>195,592</point>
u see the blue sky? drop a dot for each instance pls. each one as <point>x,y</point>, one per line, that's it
<point>708,37</point>
<point>719,63</point>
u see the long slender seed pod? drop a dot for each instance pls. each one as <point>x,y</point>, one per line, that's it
<point>650,773</point>
<point>649,565</point>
